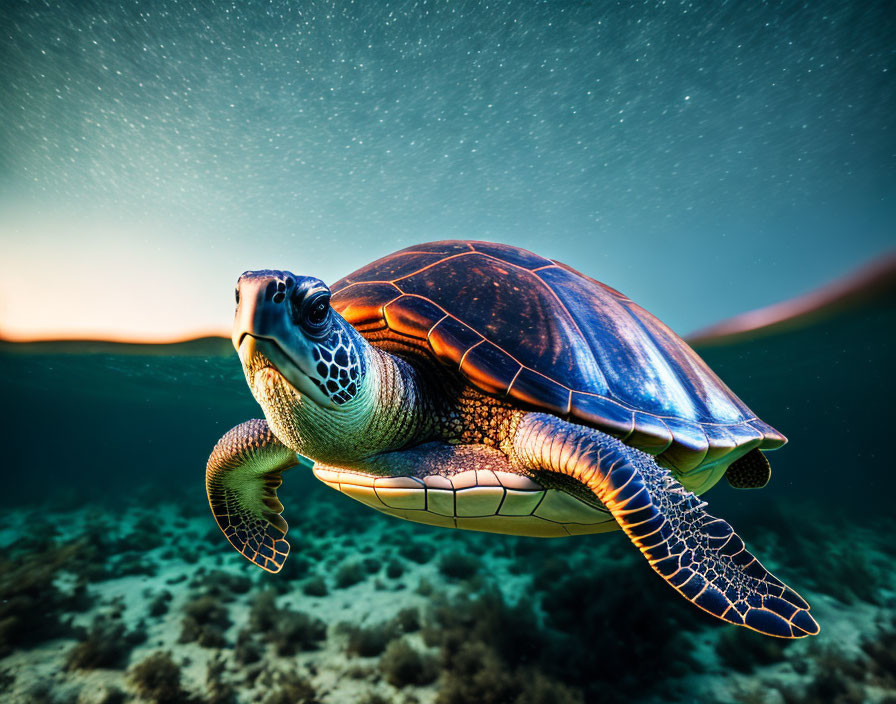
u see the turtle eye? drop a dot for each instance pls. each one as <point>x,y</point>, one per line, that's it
<point>316,312</point>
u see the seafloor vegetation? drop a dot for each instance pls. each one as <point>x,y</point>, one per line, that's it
<point>146,602</point>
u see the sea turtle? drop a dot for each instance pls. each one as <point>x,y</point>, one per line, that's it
<point>477,385</point>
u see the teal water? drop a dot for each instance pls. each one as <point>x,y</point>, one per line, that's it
<point>106,452</point>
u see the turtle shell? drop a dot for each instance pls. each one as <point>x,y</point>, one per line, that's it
<point>534,330</point>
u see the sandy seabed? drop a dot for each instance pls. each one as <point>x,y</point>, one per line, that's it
<point>103,605</point>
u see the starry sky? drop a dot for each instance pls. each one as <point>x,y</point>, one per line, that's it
<point>704,158</point>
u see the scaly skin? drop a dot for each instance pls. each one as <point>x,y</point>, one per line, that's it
<point>241,480</point>
<point>699,555</point>
<point>389,412</point>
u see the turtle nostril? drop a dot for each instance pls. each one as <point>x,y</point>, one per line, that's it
<point>236,294</point>
<point>289,281</point>
<point>279,296</point>
<point>281,286</point>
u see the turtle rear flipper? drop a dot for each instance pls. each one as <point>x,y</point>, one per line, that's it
<point>241,480</point>
<point>699,555</point>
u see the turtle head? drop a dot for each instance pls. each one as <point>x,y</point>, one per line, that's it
<point>285,327</point>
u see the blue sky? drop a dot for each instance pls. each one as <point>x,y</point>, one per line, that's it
<point>703,161</point>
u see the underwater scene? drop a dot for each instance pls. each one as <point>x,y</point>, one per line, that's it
<point>118,586</point>
<point>374,251</point>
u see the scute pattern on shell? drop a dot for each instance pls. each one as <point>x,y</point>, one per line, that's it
<point>519,325</point>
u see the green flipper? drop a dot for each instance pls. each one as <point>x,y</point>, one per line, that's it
<point>699,555</point>
<point>241,480</point>
<point>752,471</point>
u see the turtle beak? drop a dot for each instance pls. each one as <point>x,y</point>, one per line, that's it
<point>263,325</point>
<point>261,305</point>
<point>247,349</point>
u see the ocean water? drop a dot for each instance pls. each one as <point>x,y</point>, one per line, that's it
<point>111,555</point>
<point>706,161</point>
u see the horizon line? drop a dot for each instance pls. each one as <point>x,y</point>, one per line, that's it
<point>877,274</point>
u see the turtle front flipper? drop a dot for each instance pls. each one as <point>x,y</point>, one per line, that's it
<point>699,555</point>
<point>241,479</point>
